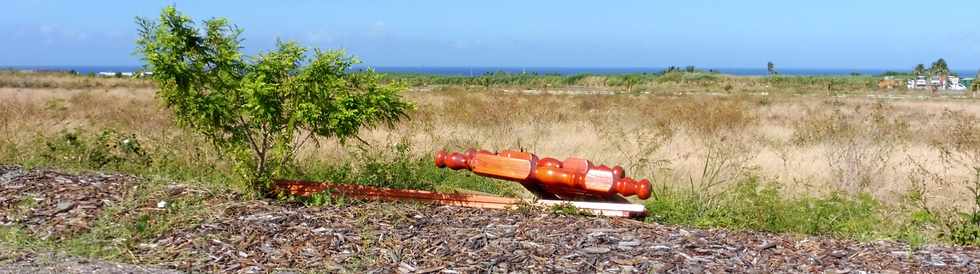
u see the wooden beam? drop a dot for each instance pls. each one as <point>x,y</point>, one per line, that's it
<point>604,209</point>
<point>308,188</point>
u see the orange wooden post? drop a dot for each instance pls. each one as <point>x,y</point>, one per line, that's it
<point>566,178</point>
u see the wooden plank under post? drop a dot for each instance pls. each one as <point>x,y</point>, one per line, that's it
<point>309,188</point>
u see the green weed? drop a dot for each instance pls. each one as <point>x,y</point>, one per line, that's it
<point>105,149</point>
<point>401,169</point>
<point>752,205</point>
<point>568,209</point>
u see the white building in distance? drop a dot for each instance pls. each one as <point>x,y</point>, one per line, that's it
<point>922,82</point>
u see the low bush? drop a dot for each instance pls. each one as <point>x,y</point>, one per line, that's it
<point>260,109</point>
<point>107,149</point>
<point>960,226</point>
<point>756,206</point>
<point>400,169</point>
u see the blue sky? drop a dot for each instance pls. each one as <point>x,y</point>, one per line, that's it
<point>707,33</point>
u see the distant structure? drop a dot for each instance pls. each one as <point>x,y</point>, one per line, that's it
<point>889,83</point>
<point>124,74</point>
<point>936,78</point>
<point>952,83</point>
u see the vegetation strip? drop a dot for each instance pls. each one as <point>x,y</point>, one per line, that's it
<point>268,235</point>
<point>842,157</point>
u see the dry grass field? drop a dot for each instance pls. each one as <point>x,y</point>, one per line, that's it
<point>806,144</point>
<point>902,151</point>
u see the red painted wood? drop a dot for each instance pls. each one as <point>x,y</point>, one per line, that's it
<point>619,172</point>
<point>308,188</point>
<point>574,177</point>
<point>553,176</point>
<point>506,168</point>
<point>577,165</point>
<point>549,162</point>
<point>629,187</point>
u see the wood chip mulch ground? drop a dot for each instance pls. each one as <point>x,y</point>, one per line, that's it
<point>266,236</point>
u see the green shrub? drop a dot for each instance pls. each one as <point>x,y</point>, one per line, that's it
<point>260,110</point>
<point>568,209</point>
<point>965,230</point>
<point>964,227</point>
<point>397,167</point>
<point>755,206</point>
<point>108,149</point>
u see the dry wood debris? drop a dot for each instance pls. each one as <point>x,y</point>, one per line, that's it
<point>55,263</point>
<point>54,204</point>
<point>380,237</point>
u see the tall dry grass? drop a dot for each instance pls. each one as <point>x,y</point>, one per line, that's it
<point>810,145</point>
<point>807,144</point>
<point>14,79</point>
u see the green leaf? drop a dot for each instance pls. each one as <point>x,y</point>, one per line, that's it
<point>253,107</point>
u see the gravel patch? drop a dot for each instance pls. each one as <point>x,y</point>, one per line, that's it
<point>52,263</point>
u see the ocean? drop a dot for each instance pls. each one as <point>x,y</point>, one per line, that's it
<point>477,71</point>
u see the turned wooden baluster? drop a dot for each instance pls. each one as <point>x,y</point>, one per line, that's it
<point>600,179</point>
<point>523,167</point>
<point>456,160</point>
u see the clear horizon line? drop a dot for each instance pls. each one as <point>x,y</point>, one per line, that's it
<point>638,67</point>
<point>532,67</point>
